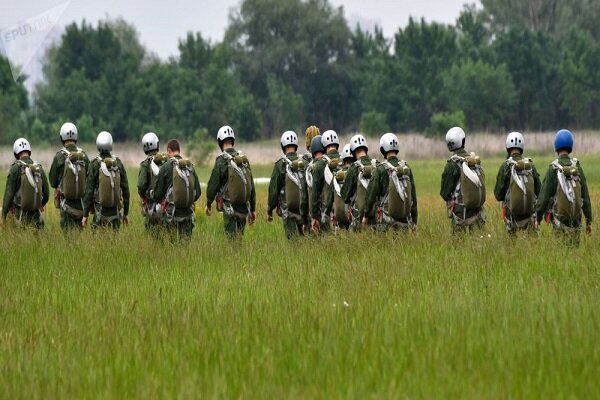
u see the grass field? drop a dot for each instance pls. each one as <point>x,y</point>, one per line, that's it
<point>422,315</point>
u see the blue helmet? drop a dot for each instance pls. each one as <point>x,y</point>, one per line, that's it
<point>563,140</point>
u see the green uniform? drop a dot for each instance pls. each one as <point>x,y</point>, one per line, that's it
<point>461,218</point>
<point>105,216</point>
<point>293,222</point>
<point>150,208</point>
<point>179,220</point>
<point>234,215</point>
<point>349,191</point>
<point>12,194</point>
<point>322,191</point>
<point>377,193</point>
<point>548,192</point>
<point>71,211</point>
<point>514,222</point>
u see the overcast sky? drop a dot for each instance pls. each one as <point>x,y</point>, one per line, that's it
<point>161,23</point>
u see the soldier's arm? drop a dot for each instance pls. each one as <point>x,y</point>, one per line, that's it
<point>45,189</point>
<point>448,181</point>
<point>214,183</point>
<point>350,184</point>
<point>9,192</point>
<point>548,190</point>
<point>537,182</point>
<point>197,186</point>
<point>90,186</point>
<point>585,196</point>
<point>57,169</point>
<point>124,187</point>
<point>318,176</point>
<point>274,189</point>
<point>252,193</point>
<point>372,194</point>
<point>501,183</point>
<point>304,200</point>
<point>143,183</point>
<point>414,210</point>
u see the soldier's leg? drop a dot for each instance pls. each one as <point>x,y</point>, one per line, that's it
<point>184,228</point>
<point>291,228</point>
<point>240,225</point>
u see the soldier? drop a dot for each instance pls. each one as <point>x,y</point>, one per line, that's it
<point>232,185</point>
<point>287,188</point>
<point>26,191</point>
<point>317,150</point>
<point>335,202</point>
<point>67,176</point>
<point>564,195</point>
<point>107,188</point>
<point>391,196</point>
<point>517,186</point>
<point>177,189</point>
<point>357,181</point>
<point>310,133</point>
<point>149,169</point>
<point>323,174</point>
<point>463,184</point>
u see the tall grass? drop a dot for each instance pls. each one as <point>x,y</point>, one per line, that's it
<point>422,315</point>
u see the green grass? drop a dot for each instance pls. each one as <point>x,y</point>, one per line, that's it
<point>428,315</point>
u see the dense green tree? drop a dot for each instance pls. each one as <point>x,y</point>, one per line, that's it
<point>13,104</point>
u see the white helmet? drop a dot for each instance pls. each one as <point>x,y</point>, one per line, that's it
<point>104,141</point>
<point>388,142</point>
<point>455,138</point>
<point>289,138</point>
<point>225,132</point>
<point>346,153</point>
<point>330,138</point>
<point>68,131</point>
<point>515,139</point>
<point>358,141</point>
<point>150,142</point>
<point>20,146</point>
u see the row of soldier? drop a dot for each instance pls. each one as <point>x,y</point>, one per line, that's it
<point>320,191</point>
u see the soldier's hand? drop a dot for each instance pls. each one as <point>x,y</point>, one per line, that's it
<point>278,211</point>
<point>126,220</point>
<point>270,218</point>
<point>207,210</point>
<point>84,221</point>
<point>588,229</point>
<point>365,221</point>
<point>315,225</point>
<point>252,217</point>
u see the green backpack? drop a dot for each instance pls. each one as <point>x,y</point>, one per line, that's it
<point>30,192</point>
<point>294,178</point>
<point>332,166</point>
<point>339,205</point>
<point>239,182</point>
<point>567,202</point>
<point>470,189</point>
<point>398,201</point>
<point>183,189</point>
<point>365,175</point>
<point>109,183</point>
<point>73,181</point>
<point>520,197</point>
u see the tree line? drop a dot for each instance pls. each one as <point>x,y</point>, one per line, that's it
<point>286,64</point>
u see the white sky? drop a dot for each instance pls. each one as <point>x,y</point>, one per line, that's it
<point>161,23</point>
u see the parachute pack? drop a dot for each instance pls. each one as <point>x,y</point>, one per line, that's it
<point>183,188</point>
<point>340,208</point>
<point>332,166</point>
<point>294,178</point>
<point>398,201</point>
<point>470,189</point>
<point>567,201</point>
<point>73,181</point>
<point>30,192</point>
<point>239,182</point>
<point>109,183</point>
<point>520,197</point>
<point>365,174</point>
<point>156,161</point>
